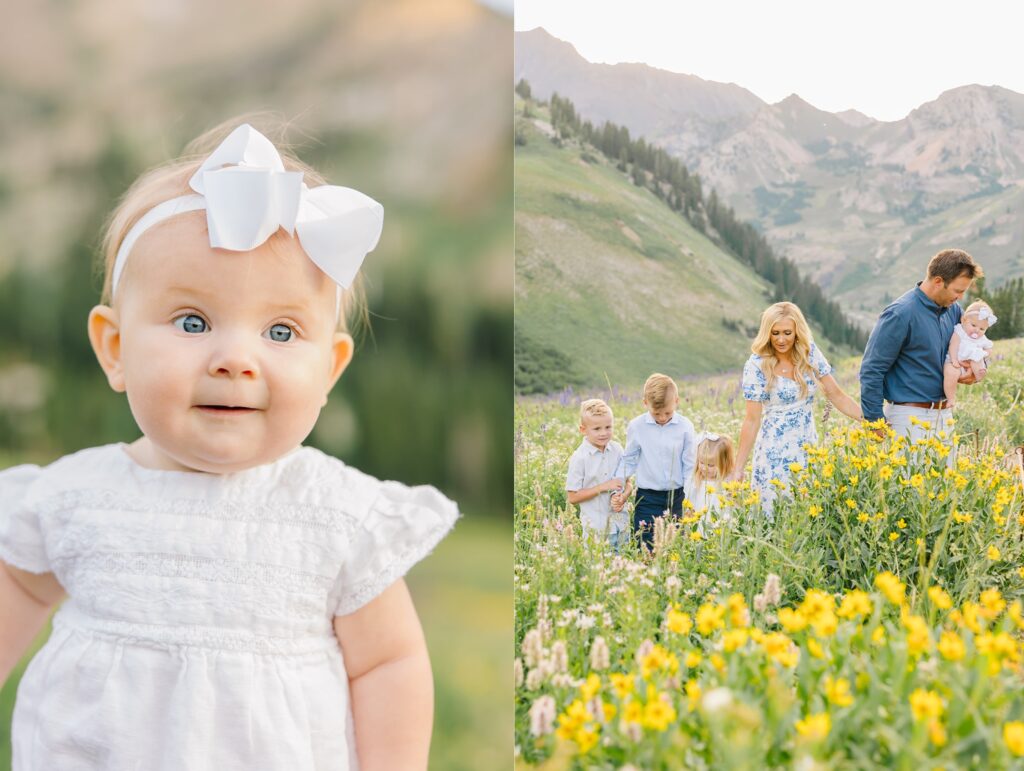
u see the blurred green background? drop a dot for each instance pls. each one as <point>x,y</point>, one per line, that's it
<point>406,101</point>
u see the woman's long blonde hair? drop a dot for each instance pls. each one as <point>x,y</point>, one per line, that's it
<point>170,180</point>
<point>762,344</point>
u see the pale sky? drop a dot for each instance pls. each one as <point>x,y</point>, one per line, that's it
<point>882,58</point>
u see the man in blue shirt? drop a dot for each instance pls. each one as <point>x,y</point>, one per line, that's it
<point>903,360</point>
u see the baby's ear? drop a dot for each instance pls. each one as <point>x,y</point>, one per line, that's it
<point>341,354</point>
<point>105,336</point>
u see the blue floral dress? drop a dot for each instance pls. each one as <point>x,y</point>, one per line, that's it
<point>787,422</point>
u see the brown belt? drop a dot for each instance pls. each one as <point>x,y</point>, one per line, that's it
<point>925,405</point>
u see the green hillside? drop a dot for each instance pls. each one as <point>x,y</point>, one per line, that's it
<point>610,281</point>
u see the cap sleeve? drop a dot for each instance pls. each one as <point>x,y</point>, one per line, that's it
<point>574,476</point>
<point>22,543</point>
<point>754,382</point>
<point>401,526</point>
<point>818,361</point>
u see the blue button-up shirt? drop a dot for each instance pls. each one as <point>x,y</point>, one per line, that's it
<point>662,457</point>
<point>905,353</point>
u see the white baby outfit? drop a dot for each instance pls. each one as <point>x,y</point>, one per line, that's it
<point>198,630</point>
<point>971,349</point>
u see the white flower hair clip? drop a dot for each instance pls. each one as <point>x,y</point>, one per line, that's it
<point>248,195</point>
<point>986,314</point>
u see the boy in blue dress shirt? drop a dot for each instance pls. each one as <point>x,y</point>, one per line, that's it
<point>661,449</point>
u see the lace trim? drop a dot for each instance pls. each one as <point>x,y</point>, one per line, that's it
<point>325,518</point>
<point>199,568</point>
<point>71,618</point>
<point>355,597</point>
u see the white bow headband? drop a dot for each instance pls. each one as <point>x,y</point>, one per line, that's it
<point>711,437</point>
<point>986,313</point>
<point>252,197</point>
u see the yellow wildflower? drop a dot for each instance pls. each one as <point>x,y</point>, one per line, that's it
<point>781,649</point>
<point>951,646</point>
<point>926,704</point>
<point>621,684</point>
<point>815,727</point>
<point>692,694</point>
<point>891,587</point>
<point>658,714</point>
<point>792,620</point>
<point>992,603</point>
<point>894,536</point>
<point>678,622</point>
<point>937,733</point>
<point>590,687</point>
<point>1013,735</point>
<point>734,639</point>
<point>993,553</point>
<point>709,618</point>
<point>693,659</point>
<point>837,691</point>
<point>855,603</point>
<point>940,599</point>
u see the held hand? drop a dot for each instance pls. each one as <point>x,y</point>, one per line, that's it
<point>612,485</point>
<point>968,379</point>
<point>617,503</point>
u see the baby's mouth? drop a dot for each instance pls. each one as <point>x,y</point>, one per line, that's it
<point>225,408</point>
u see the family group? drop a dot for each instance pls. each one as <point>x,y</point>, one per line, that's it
<point>922,348</point>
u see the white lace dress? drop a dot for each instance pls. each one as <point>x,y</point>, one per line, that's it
<point>198,630</point>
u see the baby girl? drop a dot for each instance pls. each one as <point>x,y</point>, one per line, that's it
<point>235,599</point>
<point>969,349</point>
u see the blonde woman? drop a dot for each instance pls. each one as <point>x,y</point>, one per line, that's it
<point>780,380</point>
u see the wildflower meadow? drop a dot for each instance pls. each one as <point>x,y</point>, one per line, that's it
<point>875,622</point>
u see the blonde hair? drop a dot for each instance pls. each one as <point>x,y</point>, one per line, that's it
<point>762,344</point>
<point>657,390</point>
<point>975,308</point>
<point>170,180</point>
<point>717,453</point>
<point>594,408</point>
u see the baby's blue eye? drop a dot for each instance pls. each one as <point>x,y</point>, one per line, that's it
<point>280,333</point>
<point>191,323</point>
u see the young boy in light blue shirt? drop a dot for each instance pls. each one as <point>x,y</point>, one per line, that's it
<point>661,450</point>
<point>591,478</point>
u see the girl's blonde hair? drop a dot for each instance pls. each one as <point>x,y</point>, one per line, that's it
<point>762,344</point>
<point>170,180</point>
<point>717,453</point>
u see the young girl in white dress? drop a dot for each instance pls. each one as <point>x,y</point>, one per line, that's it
<point>715,462</point>
<point>234,599</point>
<point>969,348</point>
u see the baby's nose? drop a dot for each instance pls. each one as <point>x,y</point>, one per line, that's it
<point>233,358</point>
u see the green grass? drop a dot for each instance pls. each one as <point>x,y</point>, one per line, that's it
<point>463,594</point>
<point>610,276</point>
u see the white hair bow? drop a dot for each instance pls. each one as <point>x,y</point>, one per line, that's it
<point>707,435</point>
<point>248,195</point>
<point>985,314</point>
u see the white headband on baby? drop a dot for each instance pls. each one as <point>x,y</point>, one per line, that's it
<point>986,314</point>
<point>248,195</point>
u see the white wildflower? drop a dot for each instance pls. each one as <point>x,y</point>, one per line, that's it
<point>643,650</point>
<point>518,669</point>
<point>672,585</point>
<point>716,700</point>
<point>542,716</point>
<point>600,656</point>
<point>560,656</point>
<point>532,647</point>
